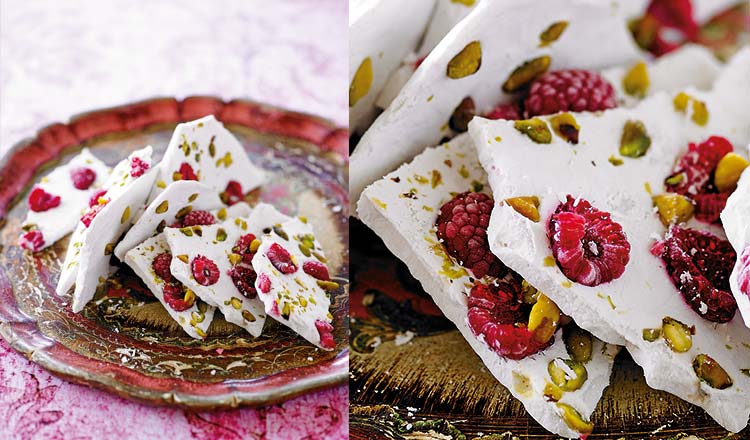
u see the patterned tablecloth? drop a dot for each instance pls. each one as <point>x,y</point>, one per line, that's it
<point>58,59</point>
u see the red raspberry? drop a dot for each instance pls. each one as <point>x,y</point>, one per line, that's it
<point>503,300</point>
<point>708,207</point>
<point>665,26</point>
<point>196,218</point>
<point>693,173</point>
<point>233,193</point>
<point>174,297</point>
<point>509,112</point>
<point>264,284</point>
<point>242,247</point>
<point>569,90</point>
<point>325,330</point>
<point>316,269</point>
<point>462,228</point>
<point>138,166</point>
<point>204,270</point>
<point>94,199</point>
<point>281,260</point>
<point>243,277</point>
<point>161,266</point>
<point>82,177</point>
<point>699,264</point>
<point>40,200</point>
<point>32,240</point>
<point>92,212</point>
<point>187,172</point>
<point>590,248</point>
<point>743,273</point>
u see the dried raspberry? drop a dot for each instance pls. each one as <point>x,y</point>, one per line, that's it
<point>161,266</point>
<point>92,212</point>
<point>32,240</point>
<point>693,173</point>
<point>174,297</point>
<point>316,269</point>
<point>40,200</point>
<point>708,207</point>
<point>325,330</point>
<point>569,90</point>
<point>590,248</point>
<point>509,112</point>
<point>138,166</point>
<point>699,264</point>
<point>494,311</point>
<point>187,172</point>
<point>264,284</point>
<point>243,277</point>
<point>743,273</point>
<point>666,26</point>
<point>242,247</point>
<point>195,218</point>
<point>233,193</point>
<point>281,260</point>
<point>82,177</point>
<point>462,228</point>
<point>94,199</point>
<point>204,270</point>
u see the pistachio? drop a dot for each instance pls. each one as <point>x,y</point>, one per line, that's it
<point>221,234</point>
<point>247,316</point>
<point>709,371</point>
<point>305,250</point>
<point>125,215</point>
<point>543,318</point>
<point>677,336</point>
<point>200,332</point>
<point>466,62</point>
<point>536,129</point>
<point>182,257</point>
<point>236,303</point>
<point>566,126</point>
<point>636,82</point>
<point>361,83</point>
<point>530,293</point>
<point>552,392</point>
<point>527,206</point>
<point>634,141</point>
<point>327,285</point>
<point>651,334</point>
<point>465,2</point>
<point>578,343</point>
<point>286,310</point>
<point>176,176</point>
<point>192,197</point>
<point>222,214</point>
<point>197,317</point>
<point>280,232</point>
<point>674,179</point>
<point>109,248</point>
<point>212,147</point>
<point>184,211</point>
<point>254,245</point>
<point>673,208</point>
<point>552,33</point>
<point>728,172</point>
<point>560,372</point>
<point>573,419</point>
<point>700,113</point>
<point>160,184</point>
<point>320,257</point>
<point>189,297</point>
<point>615,161</point>
<point>187,231</point>
<point>462,114</point>
<point>234,259</point>
<point>681,101</point>
<point>163,207</point>
<point>526,73</point>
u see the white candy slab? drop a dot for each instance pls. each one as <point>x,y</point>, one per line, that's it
<point>55,223</point>
<point>164,208</point>
<point>140,259</point>
<point>385,31</point>
<point>307,302</point>
<point>126,195</point>
<point>736,221</point>
<point>618,311</point>
<point>214,154</point>
<point>406,225</point>
<point>418,117</point>
<point>223,292</point>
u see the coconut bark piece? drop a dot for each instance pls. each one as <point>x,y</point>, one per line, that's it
<point>735,219</point>
<point>402,208</point>
<point>178,198</point>
<point>197,318</point>
<point>619,311</point>
<point>126,195</point>
<point>296,299</point>
<point>383,32</point>
<point>509,35</point>
<point>57,222</point>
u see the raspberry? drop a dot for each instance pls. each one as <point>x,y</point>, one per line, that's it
<point>743,272</point>
<point>462,228</point>
<point>325,330</point>
<point>40,200</point>
<point>665,26</point>
<point>174,297</point>
<point>161,266</point>
<point>83,177</point>
<point>242,247</point>
<point>316,269</point>
<point>693,173</point>
<point>243,277</point>
<point>94,199</point>
<point>186,171</point>
<point>281,260</point>
<point>138,166</point>
<point>32,240</point>
<point>590,248</point>
<point>708,207</point>
<point>510,112</point>
<point>233,193</point>
<point>569,90</point>
<point>494,312</point>
<point>204,270</point>
<point>264,284</point>
<point>92,212</point>
<point>699,264</point>
<point>195,218</point>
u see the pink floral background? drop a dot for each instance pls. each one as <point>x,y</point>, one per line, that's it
<point>60,58</point>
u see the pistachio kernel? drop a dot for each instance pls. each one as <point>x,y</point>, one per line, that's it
<point>681,101</point>
<point>536,129</point>
<point>552,33</point>
<point>184,211</point>
<point>222,214</point>
<point>305,250</point>
<point>197,230</point>
<point>636,81</point>
<point>728,172</point>
<point>615,161</point>
<point>573,419</point>
<point>700,113</point>
<point>254,245</point>
<point>327,285</point>
<point>109,248</point>
<point>466,62</point>
<point>465,2</point>
<point>197,317</point>
<point>212,148</point>
<point>125,215</point>
<point>677,336</point>
<point>303,219</point>
<point>527,206</point>
<point>578,343</point>
<point>709,371</point>
<point>286,310</point>
<point>543,318</point>
<point>560,372</point>
<point>552,392</point>
<point>192,197</point>
<point>529,293</point>
<point>183,257</point>
<point>462,115</point>
<point>280,232</point>
<point>221,234</point>
<point>673,208</point>
<point>234,259</point>
<point>319,257</point>
<point>176,176</point>
<point>566,126</point>
<point>634,141</point>
<point>526,73</point>
<point>189,297</point>
<point>247,316</point>
<point>163,207</point>
<point>361,82</point>
<point>160,184</point>
<point>236,303</point>
<point>651,334</point>
<point>674,179</point>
